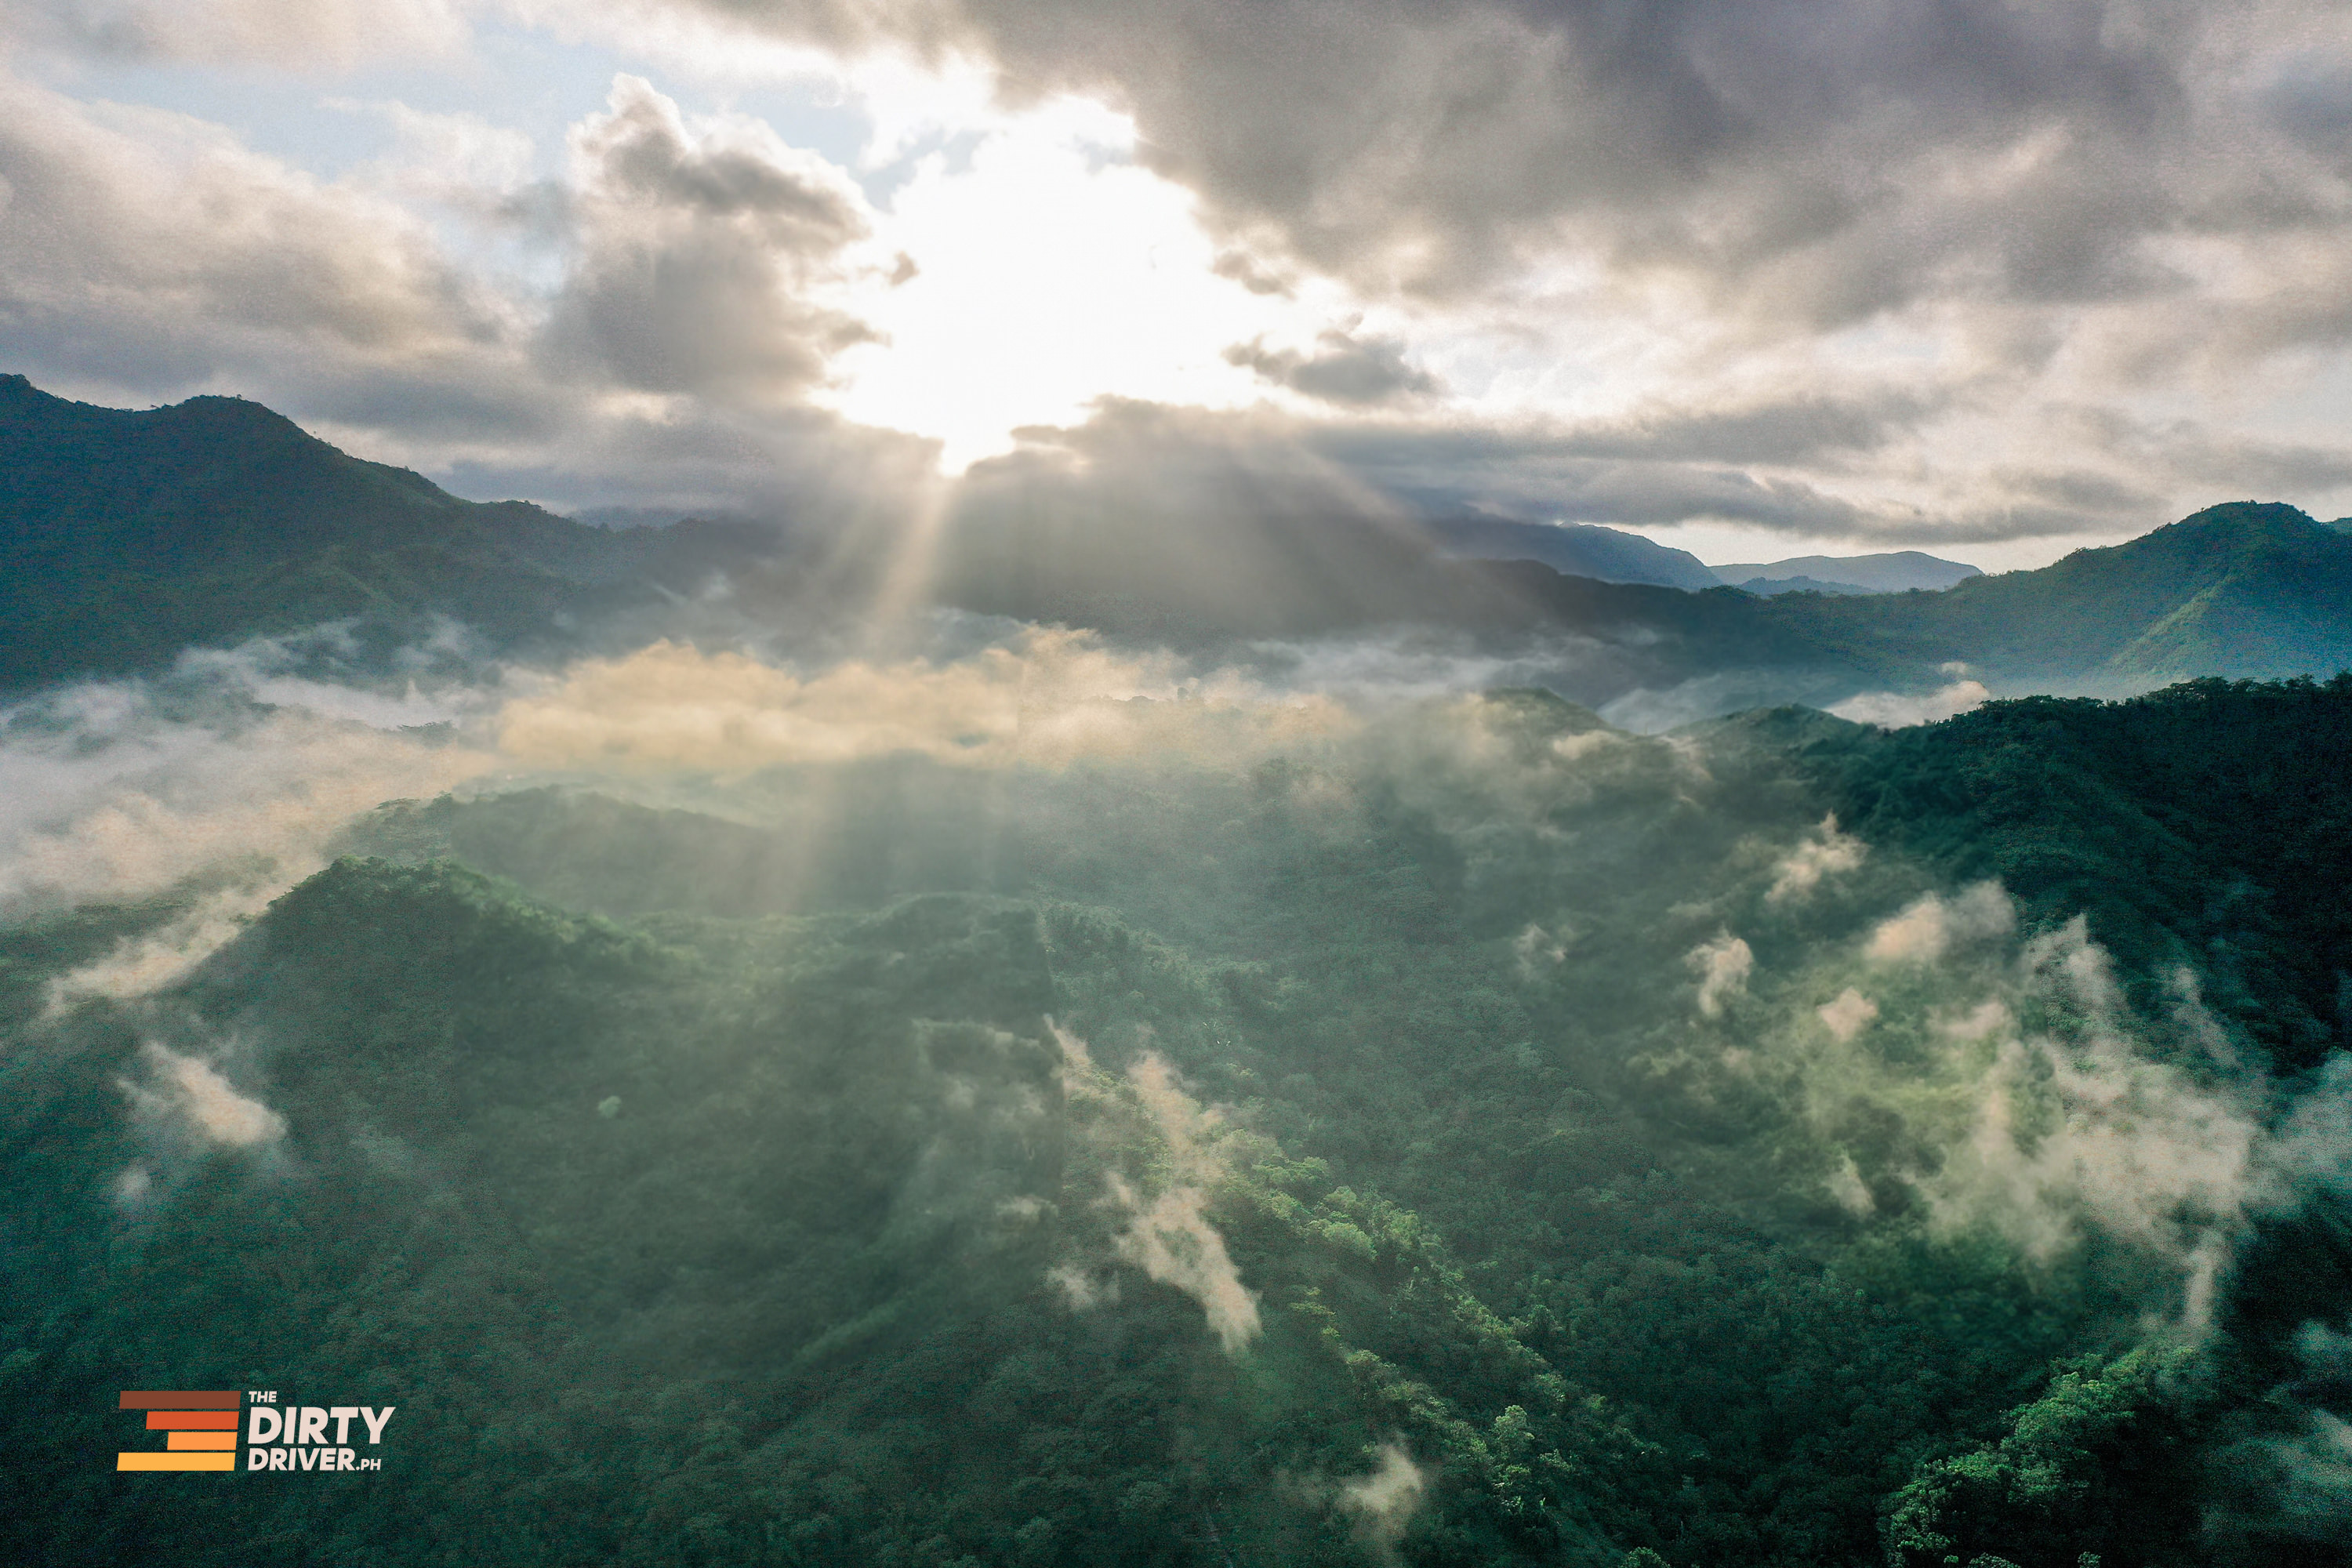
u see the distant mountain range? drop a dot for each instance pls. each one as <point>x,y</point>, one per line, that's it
<point>1576,550</point>
<point>128,536</point>
<point>1895,572</point>
<point>1612,556</point>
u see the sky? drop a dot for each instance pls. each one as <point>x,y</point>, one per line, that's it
<point>1993,279</point>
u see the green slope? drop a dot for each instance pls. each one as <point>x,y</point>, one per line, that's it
<point>2245,590</point>
<point>126,536</point>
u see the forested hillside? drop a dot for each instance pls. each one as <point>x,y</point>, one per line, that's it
<point>127,536</point>
<point>2242,590</point>
<point>1491,1139</point>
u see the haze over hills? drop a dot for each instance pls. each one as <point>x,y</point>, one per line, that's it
<point>127,536</point>
<point>1575,550</point>
<point>1893,572</point>
<point>1614,555</point>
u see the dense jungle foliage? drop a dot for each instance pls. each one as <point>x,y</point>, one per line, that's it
<point>1500,1140</point>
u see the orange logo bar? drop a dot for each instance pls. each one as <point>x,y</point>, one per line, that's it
<point>200,1426</point>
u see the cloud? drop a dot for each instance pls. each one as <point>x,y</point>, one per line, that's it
<point>1347,369</point>
<point>1847,1013</point>
<point>1211,520</point>
<point>2083,1126</point>
<point>1536,950</point>
<point>1635,475</point>
<point>2002,1085</point>
<point>111,797</point>
<point>1722,967</point>
<point>1858,274</point>
<point>308,34</point>
<point>1895,711</point>
<point>1049,699</point>
<point>2298,1481</point>
<point>141,966</point>
<point>1167,1233</point>
<point>193,1094</point>
<point>1931,927</point>
<point>189,789</point>
<point>1841,159</point>
<point>1385,1500</point>
<point>1920,231</point>
<point>644,330</point>
<point>1824,854</point>
<point>152,250</point>
<point>1171,1241</point>
<point>698,250</point>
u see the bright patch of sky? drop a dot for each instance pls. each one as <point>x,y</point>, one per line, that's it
<point>1043,268</point>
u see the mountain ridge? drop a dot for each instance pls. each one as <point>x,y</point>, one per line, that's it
<point>1575,550</point>
<point>2241,589</point>
<point>1893,571</point>
<point>127,536</point>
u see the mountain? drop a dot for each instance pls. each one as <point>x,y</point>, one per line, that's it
<point>1890,573</point>
<point>2244,590</point>
<point>126,536</point>
<point>1575,550</point>
<point>1770,587</point>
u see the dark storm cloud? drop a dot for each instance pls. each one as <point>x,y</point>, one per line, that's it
<point>1343,369</point>
<point>1620,493</point>
<point>2146,459</point>
<point>1220,520</point>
